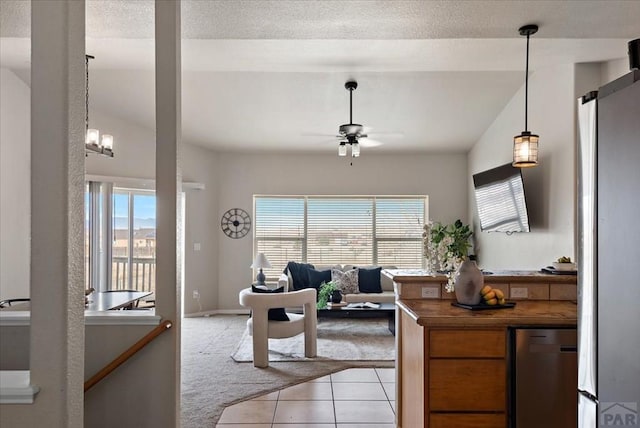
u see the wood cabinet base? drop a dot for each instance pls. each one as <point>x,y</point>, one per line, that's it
<point>469,420</point>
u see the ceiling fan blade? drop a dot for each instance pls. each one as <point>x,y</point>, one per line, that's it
<point>387,134</point>
<point>368,142</point>
<point>318,134</point>
<point>325,141</point>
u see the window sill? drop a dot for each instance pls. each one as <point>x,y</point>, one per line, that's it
<point>15,387</point>
<point>139,317</point>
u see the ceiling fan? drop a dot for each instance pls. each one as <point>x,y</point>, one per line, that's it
<point>352,134</point>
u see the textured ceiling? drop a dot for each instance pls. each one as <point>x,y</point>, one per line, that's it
<point>258,75</point>
<point>352,19</point>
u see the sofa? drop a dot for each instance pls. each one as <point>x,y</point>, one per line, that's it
<point>372,285</point>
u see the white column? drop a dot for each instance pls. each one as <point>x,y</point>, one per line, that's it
<point>169,184</point>
<point>57,177</point>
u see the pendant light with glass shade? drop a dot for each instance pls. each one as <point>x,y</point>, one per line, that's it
<point>525,145</point>
<point>93,142</point>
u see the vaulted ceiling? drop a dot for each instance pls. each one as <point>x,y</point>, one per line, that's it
<point>262,75</point>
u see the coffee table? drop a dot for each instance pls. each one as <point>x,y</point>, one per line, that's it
<point>387,310</point>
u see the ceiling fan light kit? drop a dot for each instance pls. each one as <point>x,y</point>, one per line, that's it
<point>525,145</point>
<point>351,132</point>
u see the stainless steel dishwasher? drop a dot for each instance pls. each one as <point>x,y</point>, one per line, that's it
<point>544,375</point>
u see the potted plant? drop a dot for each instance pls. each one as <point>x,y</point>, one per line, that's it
<point>446,247</point>
<point>328,292</point>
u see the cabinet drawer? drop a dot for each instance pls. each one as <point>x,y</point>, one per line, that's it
<point>467,420</point>
<point>467,385</point>
<point>467,343</point>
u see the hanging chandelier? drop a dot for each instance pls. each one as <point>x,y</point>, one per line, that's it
<point>525,145</point>
<point>93,142</point>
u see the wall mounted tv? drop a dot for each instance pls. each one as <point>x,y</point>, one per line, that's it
<point>500,200</point>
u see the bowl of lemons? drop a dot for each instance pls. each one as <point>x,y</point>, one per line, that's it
<point>564,263</point>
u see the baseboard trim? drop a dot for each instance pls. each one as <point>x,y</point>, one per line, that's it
<point>217,312</point>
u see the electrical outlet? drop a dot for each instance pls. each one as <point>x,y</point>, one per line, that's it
<point>519,292</point>
<point>196,246</point>
<point>430,292</point>
<point>196,294</point>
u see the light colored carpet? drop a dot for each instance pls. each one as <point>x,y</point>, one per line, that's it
<point>211,380</point>
<point>342,339</point>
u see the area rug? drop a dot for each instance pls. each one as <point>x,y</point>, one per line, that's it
<point>338,339</point>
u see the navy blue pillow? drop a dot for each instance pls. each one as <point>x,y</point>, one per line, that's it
<point>317,277</point>
<point>299,274</point>
<point>369,280</point>
<point>275,314</point>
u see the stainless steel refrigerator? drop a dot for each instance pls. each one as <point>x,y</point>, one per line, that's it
<point>609,255</point>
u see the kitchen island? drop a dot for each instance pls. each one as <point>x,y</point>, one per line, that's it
<point>453,364</point>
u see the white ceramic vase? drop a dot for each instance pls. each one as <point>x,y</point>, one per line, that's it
<point>468,283</point>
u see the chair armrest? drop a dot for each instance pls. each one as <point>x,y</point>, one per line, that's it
<point>278,300</point>
<point>283,281</point>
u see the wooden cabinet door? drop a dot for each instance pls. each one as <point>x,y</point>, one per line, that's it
<point>467,385</point>
<point>412,376</point>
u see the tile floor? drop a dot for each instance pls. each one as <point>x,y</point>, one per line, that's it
<point>352,398</point>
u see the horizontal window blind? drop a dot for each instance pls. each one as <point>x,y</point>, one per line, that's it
<point>339,231</point>
<point>279,231</point>
<point>327,230</point>
<point>399,224</point>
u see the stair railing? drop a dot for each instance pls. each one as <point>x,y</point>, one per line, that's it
<point>104,372</point>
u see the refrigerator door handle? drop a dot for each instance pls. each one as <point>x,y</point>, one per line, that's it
<point>588,395</point>
<point>587,412</point>
<point>587,253</point>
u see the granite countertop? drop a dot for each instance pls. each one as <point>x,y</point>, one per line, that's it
<point>440,313</point>
<point>418,275</point>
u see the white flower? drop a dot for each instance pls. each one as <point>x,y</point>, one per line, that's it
<point>445,248</point>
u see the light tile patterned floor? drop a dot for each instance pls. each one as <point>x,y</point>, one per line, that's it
<point>352,398</point>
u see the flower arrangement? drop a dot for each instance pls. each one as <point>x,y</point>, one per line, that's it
<point>446,247</point>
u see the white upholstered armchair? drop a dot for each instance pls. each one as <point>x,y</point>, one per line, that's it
<point>262,329</point>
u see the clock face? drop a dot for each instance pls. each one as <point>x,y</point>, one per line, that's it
<point>236,223</point>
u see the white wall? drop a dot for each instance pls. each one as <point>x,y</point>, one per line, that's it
<point>134,147</point>
<point>611,70</point>
<point>441,176</point>
<point>135,157</point>
<point>549,187</point>
<point>201,266</point>
<point>15,185</point>
<point>136,401</point>
<point>220,269</point>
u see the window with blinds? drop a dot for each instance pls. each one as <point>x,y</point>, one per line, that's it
<point>326,230</point>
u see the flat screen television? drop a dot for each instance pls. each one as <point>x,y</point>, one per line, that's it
<point>500,200</point>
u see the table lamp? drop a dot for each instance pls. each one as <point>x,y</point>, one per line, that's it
<point>258,263</point>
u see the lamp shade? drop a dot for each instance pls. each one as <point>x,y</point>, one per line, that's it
<point>355,149</point>
<point>107,141</point>
<point>260,262</point>
<point>525,150</point>
<point>342,149</point>
<point>93,137</point>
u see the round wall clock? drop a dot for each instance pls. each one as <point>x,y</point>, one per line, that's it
<point>236,223</point>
